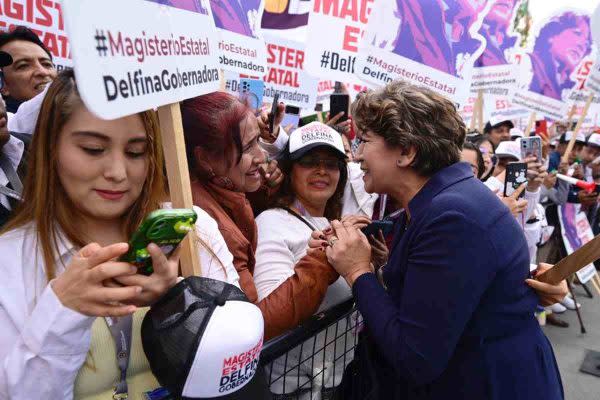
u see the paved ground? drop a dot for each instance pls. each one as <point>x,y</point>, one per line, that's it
<point>570,345</point>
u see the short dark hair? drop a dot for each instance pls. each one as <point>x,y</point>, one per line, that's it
<point>480,162</point>
<point>408,116</point>
<point>22,33</point>
<point>285,195</point>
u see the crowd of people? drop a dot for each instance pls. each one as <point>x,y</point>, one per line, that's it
<point>448,299</point>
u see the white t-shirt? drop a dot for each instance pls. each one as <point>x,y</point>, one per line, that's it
<point>44,344</point>
<point>282,242</point>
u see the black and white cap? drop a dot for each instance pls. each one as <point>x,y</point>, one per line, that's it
<point>203,340</point>
<point>313,135</point>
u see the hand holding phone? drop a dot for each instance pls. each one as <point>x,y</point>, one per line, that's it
<point>166,228</point>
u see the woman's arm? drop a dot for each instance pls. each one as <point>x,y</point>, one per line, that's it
<point>40,352</point>
<point>444,281</point>
<point>288,294</point>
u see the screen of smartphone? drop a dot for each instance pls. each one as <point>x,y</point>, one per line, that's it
<point>337,104</point>
<point>516,175</point>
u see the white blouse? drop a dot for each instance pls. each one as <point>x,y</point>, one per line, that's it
<point>44,344</point>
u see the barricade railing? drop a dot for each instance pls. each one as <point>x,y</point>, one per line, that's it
<point>309,361</point>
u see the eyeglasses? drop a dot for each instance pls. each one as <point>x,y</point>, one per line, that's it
<point>327,163</point>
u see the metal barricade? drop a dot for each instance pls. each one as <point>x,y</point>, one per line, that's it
<point>309,361</point>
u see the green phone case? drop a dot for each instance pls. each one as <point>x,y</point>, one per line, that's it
<point>166,228</point>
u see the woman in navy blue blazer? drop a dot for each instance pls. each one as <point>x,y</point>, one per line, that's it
<point>452,317</point>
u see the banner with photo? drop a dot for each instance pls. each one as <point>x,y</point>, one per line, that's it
<point>125,65</point>
<point>238,25</point>
<point>494,74</point>
<point>548,67</point>
<point>46,20</point>
<point>334,31</point>
<point>576,232</point>
<point>426,42</point>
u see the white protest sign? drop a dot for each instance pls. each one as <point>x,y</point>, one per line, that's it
<point>412,41</point>
<point>238,26</point>
<point>576,232</point>
<point>334,31</point>
<point>495,108</point>
<point>126,65</point>
<point>286,74</point>
<point>45,19</point>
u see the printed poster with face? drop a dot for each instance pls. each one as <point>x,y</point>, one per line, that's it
<point>593,79</point>
<point>125,65</point>
<point>238,24</point>
<point>494,74</point>
<point>46,20</point>
<point>426,42</point>
<point>548,69</point>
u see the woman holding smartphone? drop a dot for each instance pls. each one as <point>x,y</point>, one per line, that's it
<point>63,294</point>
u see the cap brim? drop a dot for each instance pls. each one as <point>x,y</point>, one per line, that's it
<point>5,59</point>
<point>257,388</point>
<point>301,152</point>
<point>501,155</point>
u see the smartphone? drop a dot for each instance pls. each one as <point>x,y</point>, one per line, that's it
<point>541,128</point>
<point>516,175</point>
<point>291,118</point>
<point>273,113</point>
<point>374,227</point>
<point>251,92</point>
<point>338,103</point>
<point>166,228</point>
<point>531,146</point>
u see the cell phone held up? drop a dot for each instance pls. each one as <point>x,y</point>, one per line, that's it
<point>339,102</point>
<point>374,227</point>
<point>531,147</point>
<point>516,175</point>
<point>273,113</point>
<point>166,228</point>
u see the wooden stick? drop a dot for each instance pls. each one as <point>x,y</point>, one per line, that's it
<point>586,254</point>
<point>222,81</point>
<point>480,114</point>
<point>179,179</point>
<point>595,284</point>
<point>571,115</point>
<point>530,124</point>
<point>588,103</point>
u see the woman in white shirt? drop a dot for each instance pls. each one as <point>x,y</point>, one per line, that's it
<point>90,184</point>
<point>311,195</point>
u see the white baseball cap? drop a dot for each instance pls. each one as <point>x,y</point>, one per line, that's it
<point>566,137</point>
<point>203,341</point>
<point>594,140</point>
<point>313,135</point>
<point>516,133</point>
<point>509,149</point>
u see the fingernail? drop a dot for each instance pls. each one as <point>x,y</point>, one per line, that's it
<point>133,270</point>
<point>138,289</point>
